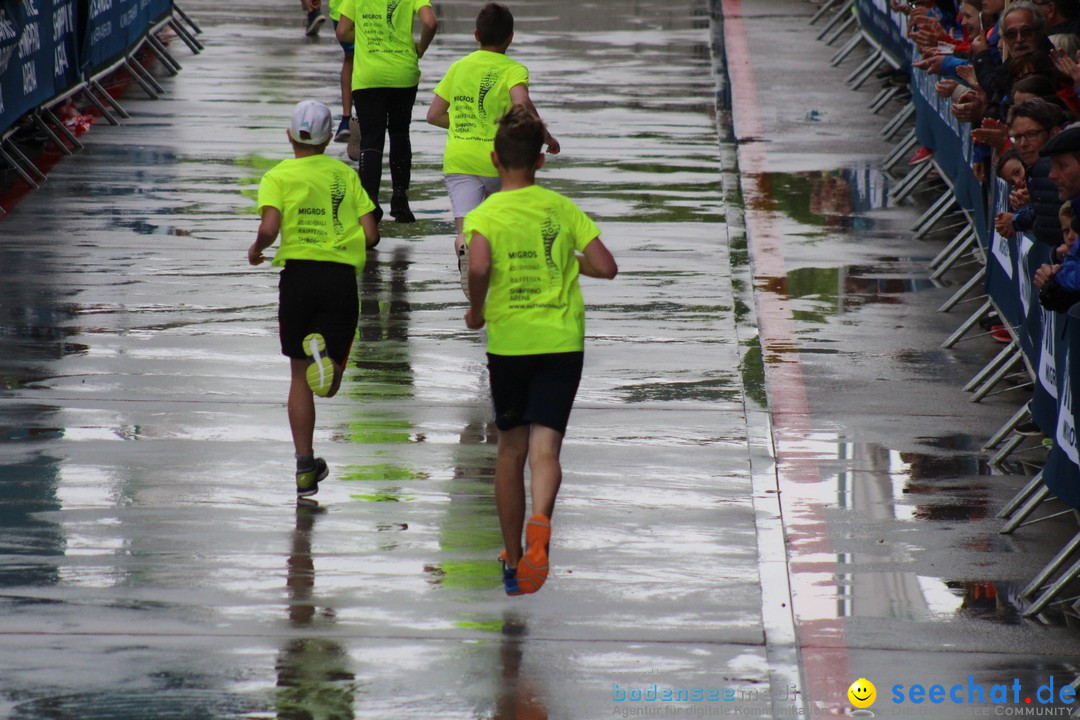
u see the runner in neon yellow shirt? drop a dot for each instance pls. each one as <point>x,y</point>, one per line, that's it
<point>475,92</point>
<point>385,75</point>
<point>326,222</point>
<point>527,247</point>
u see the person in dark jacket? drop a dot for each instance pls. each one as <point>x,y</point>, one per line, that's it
<point>1031,124</point>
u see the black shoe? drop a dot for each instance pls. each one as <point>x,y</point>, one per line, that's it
<point>399,208</point>
<point>314,21</point>
<point>307,481</point>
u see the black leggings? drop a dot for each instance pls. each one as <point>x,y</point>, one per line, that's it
<point>379,110</point>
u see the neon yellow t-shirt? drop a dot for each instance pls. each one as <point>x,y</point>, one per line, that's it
<point>478,90</point>
<point>534,302</point>
<point>321,201</point>
<point>335,9</point>
<point>385,51</point>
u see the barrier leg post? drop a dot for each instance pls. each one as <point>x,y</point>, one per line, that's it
<point>967,287</point>
<point>836,19</point>
<point>910,182</point>
<point>847,49</point>
<point>936,211</point>
<point>1021,497</point>
<point>821,10</point>
<point>51,116</point>
<point>966,326</point>
<point>997,377</point>
<point>1054,590</point>
<point>893,126</point>
<point>163,55</point>
<point>109,99</point>
<point>186,18</point>
<point>190,40</point>
<point>1051,567</point>
<point>1037,499</point>
<point>990,368</point>
<point>19,168</point>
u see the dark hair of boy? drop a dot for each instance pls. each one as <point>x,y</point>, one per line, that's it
<point>494,25</point>
<point>519,139</point>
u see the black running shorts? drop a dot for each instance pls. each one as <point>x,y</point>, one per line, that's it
<point>537,389</point>
<point>317,297</point>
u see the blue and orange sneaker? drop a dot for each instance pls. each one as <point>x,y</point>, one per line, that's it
<point>509,577</point>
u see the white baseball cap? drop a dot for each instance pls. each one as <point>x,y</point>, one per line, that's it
<point>313,119</point>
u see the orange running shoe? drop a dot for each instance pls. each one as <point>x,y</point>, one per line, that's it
<point>532,571</point>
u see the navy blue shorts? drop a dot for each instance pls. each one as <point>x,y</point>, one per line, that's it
<point>317,297</point>
<point>540,389</point>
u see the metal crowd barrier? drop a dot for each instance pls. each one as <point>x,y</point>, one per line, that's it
<point>88,84</point>
<point>1043,345</point>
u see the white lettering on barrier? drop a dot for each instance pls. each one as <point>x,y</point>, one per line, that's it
<point>63,21</point>
<point>99,6</point>
<point>5,58</point>
<point>1066,429</point>
<point>30,42</point>
<point>1003,254</point>
<point>60,61</point>
<point>29,8</point>
<point>129,17</point>
<point>29,74</point>
<point>1025,277</point>
<point>7,27</point>
<point>1047,368</point>
<point>101,32</point>
<point>1,99</point>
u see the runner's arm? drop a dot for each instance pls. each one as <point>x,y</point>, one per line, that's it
<point>479,277</point>
<point>268,232</point>
<point>428,27</point>
<point>519,95</point>
<point>371,229</point>
<point>439,113</point>
<point>346,31</point>
<point>597,261</point>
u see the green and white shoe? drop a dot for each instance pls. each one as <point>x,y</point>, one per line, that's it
<point>320,370</point>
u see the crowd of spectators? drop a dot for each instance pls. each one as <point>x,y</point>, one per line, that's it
<point>1012,70</point>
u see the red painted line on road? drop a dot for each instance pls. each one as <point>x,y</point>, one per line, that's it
<point>823,646</point>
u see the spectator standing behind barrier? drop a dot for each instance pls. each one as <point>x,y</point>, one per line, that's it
<point>1031,125</point>
<point>386,72</point>
<point>1059,285</point>
<point>1062,16</point>
<point>1023,32</point>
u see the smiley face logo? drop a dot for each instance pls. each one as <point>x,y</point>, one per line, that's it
<point>862,693</point>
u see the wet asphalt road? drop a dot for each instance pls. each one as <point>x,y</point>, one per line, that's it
<point>154,562</point>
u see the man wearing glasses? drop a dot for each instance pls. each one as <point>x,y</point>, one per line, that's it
<point>1031,125</point>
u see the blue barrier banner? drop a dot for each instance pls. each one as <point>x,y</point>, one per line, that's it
<point>113,27</point>
<point>38,54</point>
<point>157,9</point>
<point>1062,470</point>
<point>887,27</point>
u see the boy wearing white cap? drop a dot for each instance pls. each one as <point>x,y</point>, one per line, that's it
<point>326,222</point>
